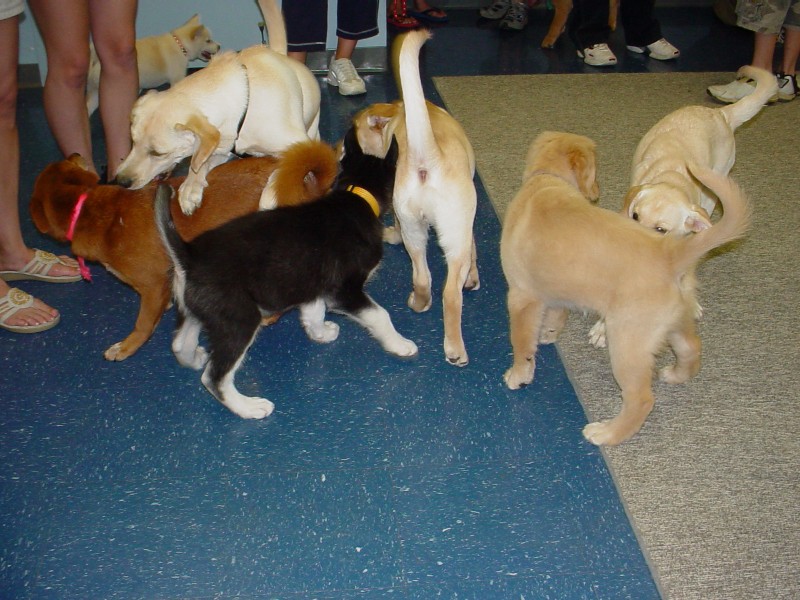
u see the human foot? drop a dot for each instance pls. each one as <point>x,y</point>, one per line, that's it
<point>22,313</point>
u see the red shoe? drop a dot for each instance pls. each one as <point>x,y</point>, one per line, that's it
<point>399,18</point>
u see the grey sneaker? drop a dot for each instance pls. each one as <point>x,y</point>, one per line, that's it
<point>343,75</point>
<point>516,18</point>
<point>787,87</point>
<point>496,10</point>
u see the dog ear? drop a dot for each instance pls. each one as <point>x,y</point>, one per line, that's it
<point>208,136</point>
<point>697,220</point>
<point>582,164</point>
<point>629,203</point>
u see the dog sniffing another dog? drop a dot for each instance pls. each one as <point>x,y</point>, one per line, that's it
<point>561,252</point>
<point>117,228</point>
<point>434,188</point>
<point>315,256</point>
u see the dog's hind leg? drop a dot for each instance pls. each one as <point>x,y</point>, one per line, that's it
<point>473,280</point>
<point>632,361</point>
<point>525,314</point>
<point>375,319</point>
<point>686,345</point>
<point>185,344</point>
<point>415,239</point>
<point>228,345</point>
<point>312,317</point>
<point>453,300</point>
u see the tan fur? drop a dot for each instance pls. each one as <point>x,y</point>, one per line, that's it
<point>560,252</point>
<point>663,194</point>
<point>117,228</point>
<point>433,187</point>
<point>257,102</point>
<point>160,58</point>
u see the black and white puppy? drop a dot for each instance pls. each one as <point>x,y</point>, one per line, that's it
<point>315,256</point>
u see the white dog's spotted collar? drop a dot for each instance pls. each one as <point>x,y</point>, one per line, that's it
<point>180,44</point>
<point>367,196</point>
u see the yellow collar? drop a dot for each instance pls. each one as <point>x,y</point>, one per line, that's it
<point>368,198</point>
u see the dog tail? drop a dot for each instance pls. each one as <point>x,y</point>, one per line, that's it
<point>734,223</point>
<point>276,26</point>
<point>176,247</point>
<point>749,106</point>
<point>307,170</point>
<point>422,147</point>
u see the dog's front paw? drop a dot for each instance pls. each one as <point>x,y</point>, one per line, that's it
<point>118,352</point>
<point>456,353</point>
<point>190,195</point>
<point>402,347</point>
<point>327,332</point>
<point>250,407</point>
<point>517,377</point>
<point>419,302</point>
<point>597,334</point>
<point>600,433</point>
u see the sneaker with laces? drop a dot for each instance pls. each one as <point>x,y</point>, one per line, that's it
<point>599,55</point>
<point>343,74</point>
<point>738,89</point>
<point>496,10</point>
<point>659,50</point>
<point>516,18</point>
<point>787,87</point>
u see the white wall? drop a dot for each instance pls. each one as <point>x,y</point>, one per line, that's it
<point>234,24</point>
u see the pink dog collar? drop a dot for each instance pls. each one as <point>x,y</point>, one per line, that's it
<point>76,212</point>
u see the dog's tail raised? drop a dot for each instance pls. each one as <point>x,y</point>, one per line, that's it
<point>749,106</point>
<point>307,171</point>
<point>422,147</point>
<point>276,26</point>
<point>176,247</point>
<point>734,223</point>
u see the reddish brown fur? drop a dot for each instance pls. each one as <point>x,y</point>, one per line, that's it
<point>116,226</point>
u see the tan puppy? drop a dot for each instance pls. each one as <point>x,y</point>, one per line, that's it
<point>256,102</point>
<point>560,252</point>
<point>116,226</point>
<point>161,58</point>
<point>433,187</point>
<point>663,194</point>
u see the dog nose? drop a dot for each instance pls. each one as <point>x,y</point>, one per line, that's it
<point>121,180</point>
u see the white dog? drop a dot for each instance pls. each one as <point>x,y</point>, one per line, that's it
<point>256,102</point>
<point>663,194</point>
<point>161,58</point>
<point>433,187</point>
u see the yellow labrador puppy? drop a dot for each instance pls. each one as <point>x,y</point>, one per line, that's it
<point>561,252</point>
<point>663,194</point>
<point>256,102</point>
<point>433,187</point>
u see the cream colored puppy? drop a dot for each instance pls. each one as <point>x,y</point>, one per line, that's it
<point>663,194</point>
<point>560,252</point>
<point>256,102</point>
<point>160,58</point>
<point>433,187</point>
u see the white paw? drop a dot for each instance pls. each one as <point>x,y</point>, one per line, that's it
<point>597,334</point>
<point>418,305</point>
<point>113,352</point>
<point>325,334</point>
<point>251,407</point>
<point>190,197</point>
<point>517,378</point>
<point>402,347</point>
<point>598,433</point>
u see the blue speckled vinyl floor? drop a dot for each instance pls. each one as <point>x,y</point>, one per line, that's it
<point>375,477</point>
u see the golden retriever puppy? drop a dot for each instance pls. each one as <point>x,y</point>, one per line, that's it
<point>561,252</point>
<point>663,194</point>
<point>256,102</point>
<point>433,187</point>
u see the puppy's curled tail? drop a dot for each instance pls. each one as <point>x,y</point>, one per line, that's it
<point>306,172</point>
<point>734,223</point>
<point>749,106</point>
<point>176,247</point>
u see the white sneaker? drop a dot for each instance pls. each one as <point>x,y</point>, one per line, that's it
<point>516,18</point>
<point>659,50</point>
<point>599,55</point>
<point>736,90</point>
<point>343,75</point>
<point>496,10</point>
<point>787,87</point>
